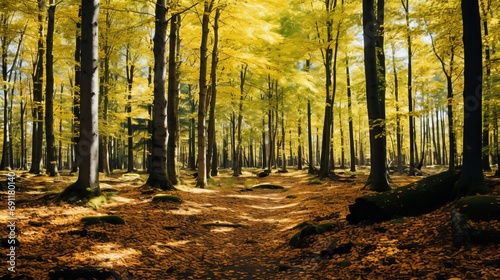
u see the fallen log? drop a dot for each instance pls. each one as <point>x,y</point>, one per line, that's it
<point>412,200</point>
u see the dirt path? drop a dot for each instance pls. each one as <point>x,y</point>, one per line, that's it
<point>228,232</point>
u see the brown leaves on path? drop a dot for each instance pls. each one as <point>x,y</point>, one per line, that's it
<point>229,232</point>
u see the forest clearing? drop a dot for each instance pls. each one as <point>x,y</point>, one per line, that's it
<point>229,231</point>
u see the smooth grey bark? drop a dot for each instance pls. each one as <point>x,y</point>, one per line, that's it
<point>202,174</point>
<point>158,171</point>
<point>37,112</point>
<point>213,98</point>
<point>173,96</point>
<point>76,94</point>
<point>130,69</point>
<point>49,94</point>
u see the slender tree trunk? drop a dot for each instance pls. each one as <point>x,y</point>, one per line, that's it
<point>49,94</point>
<point>378,181</point>
<point>487,92</point>
<point>264,154</point>
<point>202,174</point>
<point>130,69</point>
<point>76,95</point>
<point>192,130</point>
<point>237,164</point>
<point>352,152</point>
<point>158,171</point>
<point>411,119</point>
<point>172,103</point>
<point>88,177</point>
<point>36,154</point>
<point>213,96</point>
<point>7,160</point>
<point>471,179</point>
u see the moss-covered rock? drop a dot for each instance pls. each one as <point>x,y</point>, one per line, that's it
<point>268,186</point>
<point>110,219</point>
<point>166,198</point>
<point>480,207</point>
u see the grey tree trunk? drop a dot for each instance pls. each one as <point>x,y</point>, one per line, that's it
<point>76,95</point>
<point>202,174</point>
<point>49,94</point>
<point>37,136</point>
<point>213,98</point>
<point>158,171</point>
<point>130,69</point>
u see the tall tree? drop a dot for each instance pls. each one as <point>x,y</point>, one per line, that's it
<point>173,98</point>
<point>471,179</point>
<point>352,151</point>
<point>378,174</point>
<point>486,9</point>
<point>37,136</point>
<point>5,39</point>
<point>202,174</point>
<point>49,94</point>
<point>158,171</point>
<point>87,184</point>
<point>76,93</point>
<point>211,153</point>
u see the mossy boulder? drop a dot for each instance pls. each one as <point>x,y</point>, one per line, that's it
<point>480,207</point>
<point>166,198</point>
<point>110,219</point>
<point>298,239</point>
<point>268,186</point>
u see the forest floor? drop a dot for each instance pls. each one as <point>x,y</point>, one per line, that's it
<point>228,232</point>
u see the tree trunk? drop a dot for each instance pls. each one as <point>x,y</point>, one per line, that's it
<point>49,94</point>
<point>352,151</point>
<point>173,96</point>
<point>411,129</point>
<point>76,95</point>
<point>487,94</point>
<point>87,184</point>
<point>471,180</point>
<point>237,164</point>
<point>7,156</point>
<point>202,169</point>
<point>130,69</point>
<point>36,153</point>
<point>310,169</point>
<point>213,96</point>
<point>158,171</point>
<point>378,175</point>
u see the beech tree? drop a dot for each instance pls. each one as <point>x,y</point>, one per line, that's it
<point>158,170</point>
<point>471,180</point>
<point>87,184</point>
<point>49,94</point>
<point>378,174</point>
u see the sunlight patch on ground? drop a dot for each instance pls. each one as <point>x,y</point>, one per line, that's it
<point>185,211</point>
<point>247,217</point>
<point>222,229</point>
<point>109,254</point>
<point>273,207</point>
<point>254,196</point>
<point>185,188</point>
<point>122,199</point>
<point>177,243</point>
